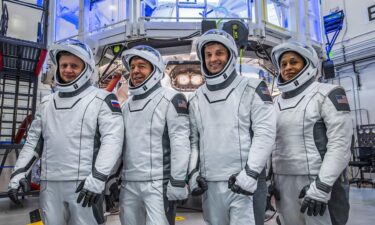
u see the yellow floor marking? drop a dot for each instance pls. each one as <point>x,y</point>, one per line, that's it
<point>180,218</point>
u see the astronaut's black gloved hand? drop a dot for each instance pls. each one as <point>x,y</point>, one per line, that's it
<point>245,182</point>
<point>15,185</point>
<point>111,194</point>
<point>236,188</point>
<point>87,194</point>
<point>197,184</point>
<point>315,198</point>
<point>273,191</point>
<point>177,190</point>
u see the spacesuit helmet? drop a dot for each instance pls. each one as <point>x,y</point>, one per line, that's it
<point>80,50</point>
<point>309,71</point>
<point>154,58</point>
<point>221,37</point>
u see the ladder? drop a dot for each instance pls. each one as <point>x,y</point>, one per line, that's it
<point>20,64</point>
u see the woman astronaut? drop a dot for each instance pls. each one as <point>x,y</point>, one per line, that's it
<point>313,140</point>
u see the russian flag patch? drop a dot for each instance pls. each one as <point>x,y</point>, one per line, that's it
<point>115,103</point>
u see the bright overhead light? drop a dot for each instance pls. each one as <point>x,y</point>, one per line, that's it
<point>183,79</point>
<point>196,80</point>
<point>112,7</point>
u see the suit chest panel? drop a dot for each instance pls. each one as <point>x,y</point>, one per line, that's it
<point>147,115</point>
<point>298,116</point>
<point>70,122</point>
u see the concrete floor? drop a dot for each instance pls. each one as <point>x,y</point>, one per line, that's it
<point>362,211</point>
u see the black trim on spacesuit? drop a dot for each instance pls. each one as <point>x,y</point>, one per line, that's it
<point>224,84</point>
<point>166,144</point>
<point>113,103</point>
<point>98,175</point>
<point>169,206</point>
<point>96,148</point>
<point>298,90</point>
<point>137,110</point>
<point>278,103</point>
<point>39,146</point>
<point>339,100</point>
<point>322,186</point>
<point>177,183</point>
<point>221,100</point>
<point>263,92</point>
<point>76,92</point>
<point>320,137</point>
<point>180,104</point>
<point>251,173</point>
<point>24,169</point>
<point>57,108</point>
<point>39,150</point>
<point>146,94</point>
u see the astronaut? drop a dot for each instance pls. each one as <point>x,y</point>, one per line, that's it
<point>157,148</point>
<point>232,133</point>
<point>313,140</point>
<point>78,134</point>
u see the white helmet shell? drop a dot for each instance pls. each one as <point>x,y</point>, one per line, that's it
<point>152,56</point>
<point>308,72</point>
<point>222,37</point>
<point>80,50</point>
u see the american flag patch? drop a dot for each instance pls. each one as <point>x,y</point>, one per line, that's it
<point>115,103</point>
<point>265,90</point>
<point>182,103</point>
<point>341,99</point>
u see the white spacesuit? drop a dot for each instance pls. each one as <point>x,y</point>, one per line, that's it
<point>312,145</point>
<point>157,147</point>
<point>80,130</point>
<point>232,133</point>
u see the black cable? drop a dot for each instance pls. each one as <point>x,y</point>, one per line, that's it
<point>257,53</point>
<point>266,220</point>
<point>266,53</point>
<point>102,56</point>
<point>104,76</point>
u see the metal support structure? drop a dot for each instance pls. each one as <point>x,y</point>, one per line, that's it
<point>332,24</point>
<point>4,20</point>
<point>42,34</point>
<point>140,26</point>
<point>188,5</point>
<point>20,64</point>
<point>27,4</point>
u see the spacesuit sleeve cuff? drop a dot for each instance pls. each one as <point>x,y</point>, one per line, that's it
<point>251,173</point>
<point>98,175</point>
<point>322,186</point>
<point>177,183</point>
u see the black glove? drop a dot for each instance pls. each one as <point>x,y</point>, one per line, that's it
<point>112,197</point>
<point>235,188</point>
<point>89,198</point>
<point>272,191</point>
<point>201,186</point>
<point>12,193</point>
<point>314,207</point>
